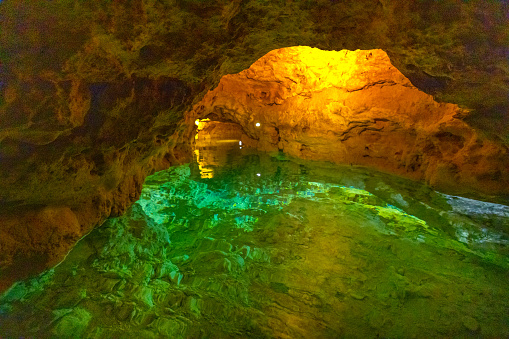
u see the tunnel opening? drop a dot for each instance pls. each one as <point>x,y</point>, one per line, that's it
<point>216,140</point>
<point>349,107</point>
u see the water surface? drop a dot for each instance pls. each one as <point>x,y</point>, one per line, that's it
<point>251,245</point>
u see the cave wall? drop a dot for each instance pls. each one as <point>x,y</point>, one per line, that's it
<point>92,94</point>
<point>355,107</point>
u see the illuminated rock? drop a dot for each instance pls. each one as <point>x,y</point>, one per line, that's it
<point>356,107</point>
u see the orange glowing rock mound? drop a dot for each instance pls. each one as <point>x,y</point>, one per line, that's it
<point>355,107</point>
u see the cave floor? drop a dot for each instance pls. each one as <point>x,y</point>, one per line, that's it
<point>268,247</point>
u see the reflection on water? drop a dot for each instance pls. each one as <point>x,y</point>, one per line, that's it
<point>212,155</point>
<point>269,247</point>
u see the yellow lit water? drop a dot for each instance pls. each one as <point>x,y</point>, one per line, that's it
<point>248,245</point>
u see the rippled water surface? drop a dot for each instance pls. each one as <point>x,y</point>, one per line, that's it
<point>249,245</point>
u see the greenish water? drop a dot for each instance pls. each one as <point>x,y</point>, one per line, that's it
<point>277,248</point>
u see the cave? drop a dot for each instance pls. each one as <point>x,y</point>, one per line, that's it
<point>354,107</point>
<point>254,169</point>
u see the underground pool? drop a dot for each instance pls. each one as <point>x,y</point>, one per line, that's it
<point>260,245</point>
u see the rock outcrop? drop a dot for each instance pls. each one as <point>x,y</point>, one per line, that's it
<point>356,107</point>
<point>92,94</point>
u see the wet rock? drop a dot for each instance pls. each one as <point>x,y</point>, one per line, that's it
<point>259,255</point>
<point>375,319</point>
<point>59,313</point>
<point>146,334</point>
<point>195,306</point>
<point>107,285</point>
<point>279,287</point>
<point>143,272</point>
<point>125,311</point>
<point>224,265</point>
<point>169,327</point>
<point>175,298</point>
<point>70,298</point>
<point>470,323</point>
<point>72,324</point>
<point>166,270</point>
<point>180,259</point>
<point>161,291</point>
<point>143,318</point>
<point>144,294</point>
<point>176,277</point>
<point>357,295</point>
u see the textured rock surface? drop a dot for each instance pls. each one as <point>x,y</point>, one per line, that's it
<point>92,92</point>
<point>34,239</point>
<point>356,107</point>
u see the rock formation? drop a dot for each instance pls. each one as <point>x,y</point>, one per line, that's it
<point>92,94</point>
<point>355,107</point>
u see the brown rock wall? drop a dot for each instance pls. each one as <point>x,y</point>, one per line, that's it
<point>356,107</point>
<point>35,239</point>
